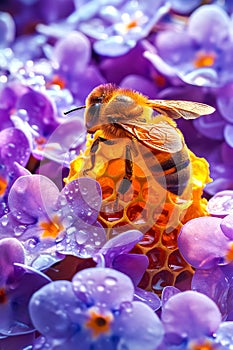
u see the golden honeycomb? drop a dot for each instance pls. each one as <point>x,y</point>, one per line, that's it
<point>146,206</point>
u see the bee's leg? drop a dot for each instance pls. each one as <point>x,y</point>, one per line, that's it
<point>127,179</point>
<point>94,149</point>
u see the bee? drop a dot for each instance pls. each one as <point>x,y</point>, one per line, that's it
<point>120,112</point>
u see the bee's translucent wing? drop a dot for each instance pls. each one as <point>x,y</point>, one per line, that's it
<point>161,136</point>
<point>181,109</point>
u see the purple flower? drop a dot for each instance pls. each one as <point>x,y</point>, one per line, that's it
<point>14,155</point>
<point>200,52</point>
<point>49,222</point>
<point>96,310</point>
<point>116,254</point>
<point>17,284</point>
<point>206,243</point>
<point>191,320</point>
<point>116,27</point>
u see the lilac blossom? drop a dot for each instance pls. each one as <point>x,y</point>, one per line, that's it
<point>200,52</point>
<point>114,29</point>
<point>199,324</point>
<point>17,284</point>
<point>206,244</point>
<point>115,254</point>
<point>14,155</point>
<point>96,309</point>
<point>49,222</point>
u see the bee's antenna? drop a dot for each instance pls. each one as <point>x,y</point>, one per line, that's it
<point>74,109</point>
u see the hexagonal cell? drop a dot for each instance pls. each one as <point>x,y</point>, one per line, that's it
<point>176,261</point>
<point>111,211</point>
<point>136,213</point>
<point>116,168</point>
<point>107,185</point>
<point>157,258</point>
<point>160,280</point>
<point>169,240</point>
<point>151,236</point>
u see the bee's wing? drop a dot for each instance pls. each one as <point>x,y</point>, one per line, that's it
<point>161,136</point>
<point>181,109</point>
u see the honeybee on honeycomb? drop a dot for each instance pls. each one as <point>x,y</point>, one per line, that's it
<point>139,157</point>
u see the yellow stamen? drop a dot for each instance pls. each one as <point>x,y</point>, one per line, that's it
<point>3,186</point>
<point>99,323</point>
<point>51,228</point>
<point>204,59</point>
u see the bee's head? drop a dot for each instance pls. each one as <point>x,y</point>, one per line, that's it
<point>95,102</point>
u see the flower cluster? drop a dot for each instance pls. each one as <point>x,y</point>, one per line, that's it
<point>63,281</point>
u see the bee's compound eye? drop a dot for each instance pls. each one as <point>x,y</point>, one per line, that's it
<point>92,115</point>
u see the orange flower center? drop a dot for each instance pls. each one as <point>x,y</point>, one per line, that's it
<point>99,323</point>
<point>132,24</point>
<point>204,59</point>
<point>3,296</point>
<point>56,80</point>
<point>206,345</point>
<point>51,228</point>
<point>3,186</point>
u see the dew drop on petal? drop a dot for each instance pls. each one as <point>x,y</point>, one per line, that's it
<point>19,230</point>
<point>81,237</point>
<point>100,288</point>
<point>110,281</point>
<point>4,221</point>
<point>127,306</point>
<point>84,191</point>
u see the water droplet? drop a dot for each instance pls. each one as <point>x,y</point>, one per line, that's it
<point>19,215</point>
<point>63,289</point>
<point>62,201</point>
<point>11,145</point>
<point>71,230</point>
<point>83,288</point>
<point>127,306</point>
<point>89,212</point>
<point>32,243</point>
<point>81,237</point>
<point>84,191</point>
<point>19,230</point>
<point>37,302</point>
<point>4,221</point>
<point>110,281</point>
<point>100,288</point>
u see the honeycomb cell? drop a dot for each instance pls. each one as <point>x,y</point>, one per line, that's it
<point>111,211</point>
<point>162,215</point>
<point>176,262</point>
<point>151,236</point>
<point>169,240</point>
<point>136,212</point>
<point>157,258</point>
<point>160,280</point>
<point>107,185</point>
<point>116,167</point>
